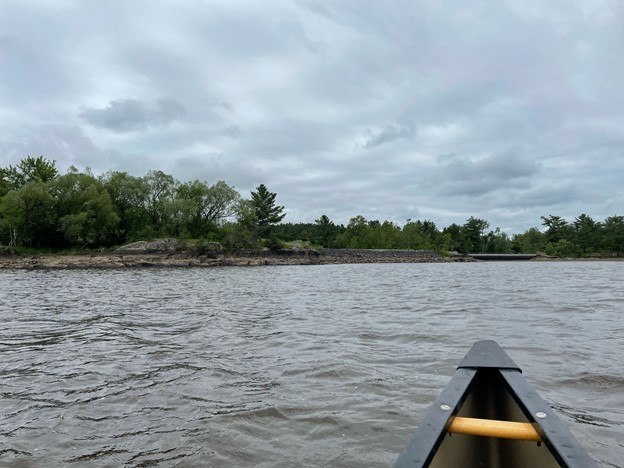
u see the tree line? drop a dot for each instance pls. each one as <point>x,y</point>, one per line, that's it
<point>39,207</point>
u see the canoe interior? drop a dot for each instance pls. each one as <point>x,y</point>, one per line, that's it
<point>489,398</point>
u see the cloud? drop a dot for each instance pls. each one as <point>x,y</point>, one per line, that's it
<point>389,133</point>
<point>464,176</point>
<point>341,108</point>
<point>131,115</point>
<point>66,144</point>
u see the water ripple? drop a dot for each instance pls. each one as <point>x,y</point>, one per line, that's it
<point>282,366</point>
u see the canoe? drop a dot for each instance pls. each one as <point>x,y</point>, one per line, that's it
<point>489,416</point>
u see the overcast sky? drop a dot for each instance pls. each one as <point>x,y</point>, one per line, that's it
<point>393,110</point>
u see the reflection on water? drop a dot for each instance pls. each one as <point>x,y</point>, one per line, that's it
<point>276,366</point>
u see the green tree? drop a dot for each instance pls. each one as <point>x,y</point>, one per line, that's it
<point>530,241</point>
<point>498,242</point>
<point>454,234</point>
<point>29,169</point>
<point>27,213</point>
<point>129,197</point>
<point>209,205</point>
<point>389,236</point>
<point>562,248</point>
<point>162,189</point>
<point>324,231</point>
<point>612,238</point>
<point>267,213</point>
<point>85,212</point>
<point>586,233</point>
<point>413,237</point>
<point>423,235</point>
<point>355,233</point>
<point>473,235</point>
<point>241,234</point>
<point>556,228</point>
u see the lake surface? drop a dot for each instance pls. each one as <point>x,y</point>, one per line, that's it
<point>291,365</point>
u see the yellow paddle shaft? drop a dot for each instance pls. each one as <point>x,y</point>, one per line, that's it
<point>494,428</point>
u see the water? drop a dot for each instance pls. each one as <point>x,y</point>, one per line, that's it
<point>291,365</point>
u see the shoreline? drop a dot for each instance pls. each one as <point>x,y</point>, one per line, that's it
<point>121,260</point>
<point>185,259</point>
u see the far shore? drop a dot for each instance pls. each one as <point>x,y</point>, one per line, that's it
<point>120,260</point>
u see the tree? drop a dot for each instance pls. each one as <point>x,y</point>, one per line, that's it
<point>210,205</point>
<point>240,235</point>
<point>29,169</point>
<point>352,237</point>
<point>473,234</point>
<point>161,191</point>
<point>389,235</point>
<point>220,202</point>
<point>266,211</point>
<point>27,212</point>
<point>530,241</point>
<point>40,168</point>
<point>84,210</point>
<point>6,181</point>
<point>613,234</point>
<point>562,248</point>
<point>497,242</point>
<point>129,197</point>
<point>423,235</point>
<point>557,228</point>
<point>177,217</point>
<point>586,233</point>
<point>454,234</point>
<point>324,231</point>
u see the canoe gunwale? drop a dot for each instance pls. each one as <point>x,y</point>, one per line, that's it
<point>488,356</point>
<point>555,434</point>
<point>424,443</point>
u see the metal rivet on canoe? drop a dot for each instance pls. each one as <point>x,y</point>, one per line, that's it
<point>445,407</point>
<point>540,414</point>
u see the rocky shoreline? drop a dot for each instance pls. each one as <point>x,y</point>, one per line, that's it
<point>143,259</point>
<point>163,253</point>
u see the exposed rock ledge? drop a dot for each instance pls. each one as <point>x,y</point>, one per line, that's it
<point>172,255</point>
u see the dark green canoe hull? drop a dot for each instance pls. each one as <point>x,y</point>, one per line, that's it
<point>489,385</point>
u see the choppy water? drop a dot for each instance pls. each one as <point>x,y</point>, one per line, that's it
<point>291,365</point>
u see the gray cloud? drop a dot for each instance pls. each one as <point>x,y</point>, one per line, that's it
<point>65,143</point>
<point>342,108</point>
<point>129,115</point>
<point>463,176</point>
<point>389,133</point>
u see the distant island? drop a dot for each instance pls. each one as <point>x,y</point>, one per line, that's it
<point>43,212</point>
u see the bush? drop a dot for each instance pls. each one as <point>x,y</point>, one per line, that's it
<point>274,243</point>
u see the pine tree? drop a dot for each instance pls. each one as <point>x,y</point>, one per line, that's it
<point>267,212</point>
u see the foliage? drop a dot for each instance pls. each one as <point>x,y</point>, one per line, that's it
<point>161,190</point>
<point>612,239</point>
<point>324,231</point>
<point>28,170</point>
<point>556,228</point>
<point>85,212</point>
<point>530,241</point>
<point>206,206</point>
<point>27,213</point>
<point>267,213</point>
<point>44,210</point>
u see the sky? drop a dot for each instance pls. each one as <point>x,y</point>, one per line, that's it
<point>504,110</point>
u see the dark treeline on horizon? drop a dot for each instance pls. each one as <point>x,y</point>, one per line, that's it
<point>44,209</point>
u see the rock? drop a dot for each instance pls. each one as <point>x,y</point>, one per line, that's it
<point>155,246</point>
